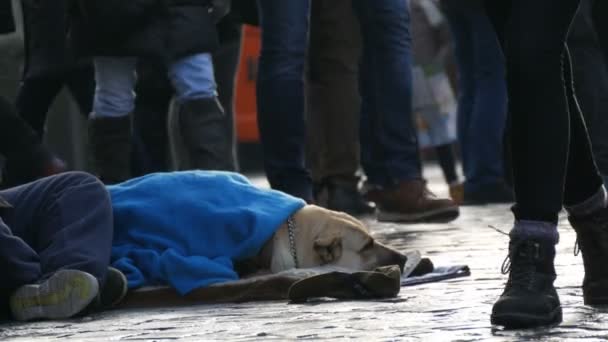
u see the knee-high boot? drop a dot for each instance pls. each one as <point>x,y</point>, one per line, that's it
<point>199,136</point>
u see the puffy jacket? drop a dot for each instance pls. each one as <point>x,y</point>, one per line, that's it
<point>7,23</point>
<point>159,29</point>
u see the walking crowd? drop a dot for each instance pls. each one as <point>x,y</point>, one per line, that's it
<point>347,92</point>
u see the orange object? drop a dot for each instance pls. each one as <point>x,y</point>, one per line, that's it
<point>245,98</point>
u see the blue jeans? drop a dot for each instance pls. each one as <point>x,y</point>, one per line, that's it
<point>192,77</point>
<point>389,142</point>
<point>482,100</point>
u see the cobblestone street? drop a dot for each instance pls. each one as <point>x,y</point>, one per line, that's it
<point>456,310</point>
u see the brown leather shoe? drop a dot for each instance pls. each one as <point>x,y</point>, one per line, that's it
<point>412,201</point>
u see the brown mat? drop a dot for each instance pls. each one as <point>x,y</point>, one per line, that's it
<point>258,288</point>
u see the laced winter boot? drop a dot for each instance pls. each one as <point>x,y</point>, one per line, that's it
<point>592,241</point>
<point>529,298</point>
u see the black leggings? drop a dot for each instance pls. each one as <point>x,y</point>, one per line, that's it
<point>552,160</point>
<point>600,11</point>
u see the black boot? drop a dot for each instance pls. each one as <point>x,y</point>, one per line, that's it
<point>199,136</point>
<point>342,195</point>
<point>529,299</point>
<point>110,143</point>
<point>592,239</point>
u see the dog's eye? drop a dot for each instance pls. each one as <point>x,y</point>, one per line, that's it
<point>369,245</point>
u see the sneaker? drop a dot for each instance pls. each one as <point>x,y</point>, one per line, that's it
<point>412,201</point>
<point>592,241</point>
<point>344,197</point>
<point>113,290</point>
<point>490,194</point>
<point>529,298</point>
<point>63,295</point>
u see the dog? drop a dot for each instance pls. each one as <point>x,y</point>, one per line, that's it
<point>319,237</point>
<point>194,229</point>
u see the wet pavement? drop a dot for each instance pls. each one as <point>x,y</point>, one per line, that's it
<point>456,310</point>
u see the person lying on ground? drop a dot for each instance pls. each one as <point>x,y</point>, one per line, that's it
<point>55,241</point>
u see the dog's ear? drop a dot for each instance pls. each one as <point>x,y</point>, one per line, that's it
<point>328,247</point>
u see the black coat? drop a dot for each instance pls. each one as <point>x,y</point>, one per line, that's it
<point>47,53</point>
<point>160,29</point>
<point>246,11</point>
<point>7,23</point>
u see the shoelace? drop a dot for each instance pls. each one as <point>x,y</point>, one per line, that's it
<point>525,264</point>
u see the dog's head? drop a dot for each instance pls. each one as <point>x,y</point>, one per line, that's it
<point>324,237</point>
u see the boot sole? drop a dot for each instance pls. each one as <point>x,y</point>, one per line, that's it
<point>442,215</point>
<point>594,293</point>
<point>596,301</point>
<point>63,295</point>
<point>517,320</point>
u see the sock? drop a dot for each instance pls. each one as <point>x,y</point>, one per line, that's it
<point>598,201</point>
<point>535,230</point>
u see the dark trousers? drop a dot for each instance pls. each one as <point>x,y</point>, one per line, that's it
<point>20,145</point>
<point>591,80</point>
<point>225,65</point>
<point>50,64</point>
<point>154,93</point>
<point>482,93</point>
<point>599,12</point>
<point>552,160</point>
<point>60,222</point>
<point>333,101</point>
<point>389,147</point>
<point>280,94</point>
<point>37,93</point>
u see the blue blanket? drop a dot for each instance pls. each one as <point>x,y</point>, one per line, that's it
<point>185,229</point>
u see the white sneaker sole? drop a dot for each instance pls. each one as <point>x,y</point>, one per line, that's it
<point>63,295</point>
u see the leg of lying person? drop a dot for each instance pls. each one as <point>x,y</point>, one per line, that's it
<point>58,237</point>
<point>203,141</point>
<point>18,261</point>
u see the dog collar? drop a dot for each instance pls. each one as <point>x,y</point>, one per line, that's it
<point>291,230</point>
